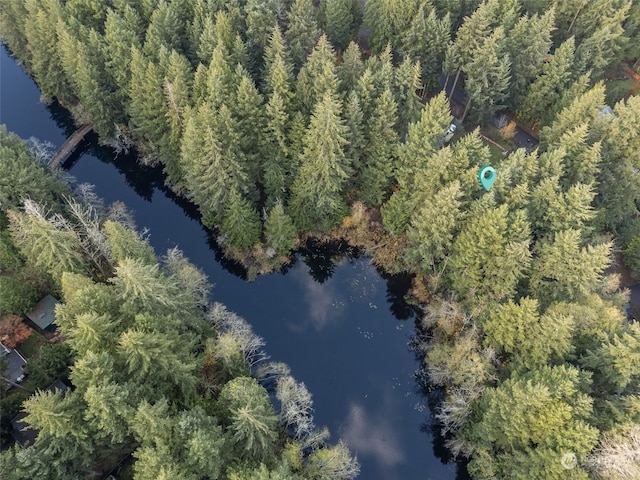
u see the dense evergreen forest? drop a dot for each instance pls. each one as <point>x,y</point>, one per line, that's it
<point>278,125</point>
<point>156,370</point>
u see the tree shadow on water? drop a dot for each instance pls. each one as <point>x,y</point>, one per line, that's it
<point>322,257</point>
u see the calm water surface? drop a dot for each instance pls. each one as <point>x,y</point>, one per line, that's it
<point>340,326</point>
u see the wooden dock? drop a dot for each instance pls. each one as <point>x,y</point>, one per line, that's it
<point>69,146</point>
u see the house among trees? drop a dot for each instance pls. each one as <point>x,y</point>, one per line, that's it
<point>14,370</point>
<point>43,314</point>
<point>23,435</point>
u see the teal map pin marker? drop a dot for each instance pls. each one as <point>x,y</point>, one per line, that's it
<point>487,175</point>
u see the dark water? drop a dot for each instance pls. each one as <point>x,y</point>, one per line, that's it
<point>340,326</point>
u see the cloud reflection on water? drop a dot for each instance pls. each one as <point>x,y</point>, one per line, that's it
<point>324,301</point>
<point>372,435</point>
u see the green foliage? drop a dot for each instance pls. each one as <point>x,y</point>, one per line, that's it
<point>426,41</point>
<point>22,176</point>
<point>44,245</point>
<point>616,361</point>
<point>303,32</point>
<point>632,255</point>
<point>491,254</point>
<point>379,150</point>
<point>423,139</point>
<point>337,20</point>
<point>51,362</point>
<point>246,410</point>
<point>540,100</point>
<point>126,243</point>
<point>241,223</point>
<point>188,445</point>
<point>563,270</point>
<point>316,200</point>
<point>317,77</point>
<point>433,227</point>
<point>530,339</point>
<point>618,186</point>
<point>17,296</point>
<point>526,424</point>
<point>210,150</point>
<point>488,77</point>
<point>333,463</point>
<point>279,231</point>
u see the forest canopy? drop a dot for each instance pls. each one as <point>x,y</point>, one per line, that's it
<point>278,124</point>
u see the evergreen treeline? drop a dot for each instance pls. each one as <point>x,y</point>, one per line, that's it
<point>266,112</point>
<point>155,370</point>
<point>276,124</point>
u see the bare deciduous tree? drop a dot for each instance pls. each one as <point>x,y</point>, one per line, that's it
<point>617,456</point>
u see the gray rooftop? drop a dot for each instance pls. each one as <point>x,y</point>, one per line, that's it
<point>15,368</point>
<point>44,313</point>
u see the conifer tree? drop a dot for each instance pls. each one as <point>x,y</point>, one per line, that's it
<point>45,63</point>
<point>260,18</point>
<point>276,165</point>
<point>166,29</point>
<point>241,225</point>
<point>380,150</point>
<point>528,45</point>
<point>12,25</point>
<point>564,270</point>
<point>337,20</point>
<point>316,200</point>
<point>616,362</point>
<point>147,108</point>
<point>355,134</point>
<point>351,68</point>
<point>118,39</point>
<point>544,91</point>
<point>221,81</point>
<point>108,412</point>
<point>584,108</point>
<point>20,172</point>
<point>213,164</point>
<point>303,32</point>
<point>249,115</point>
<point>317,77</point>
<point>44,245</point>
<point>388,21</point>
<point>423,139</point>
<point>407,83</point>
<point>529,338</point>
<point>246,410</point>
<point>487,77</point>
<point>618,189</point>
<point>527,420</point>
<point>279,230</point>
<point>433,226</point>
<point>491,253</point>
<point>426,41</point>
<point>177,86</point>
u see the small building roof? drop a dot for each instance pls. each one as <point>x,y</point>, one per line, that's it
<point>23,435</point>
<point>16,363</point>
<point>44,313</point>
<point>604,111</point>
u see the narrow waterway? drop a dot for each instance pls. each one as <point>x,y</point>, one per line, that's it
<point>341,327</point>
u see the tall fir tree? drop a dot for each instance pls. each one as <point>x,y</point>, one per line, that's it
<point>241,224</point>
<point>337,20</point>
<point>380,150</point>
<point>279,230</point>
<point>316,201</point>
<point>351,68</point>
<point>317,77</point>
<point>303,32</point>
